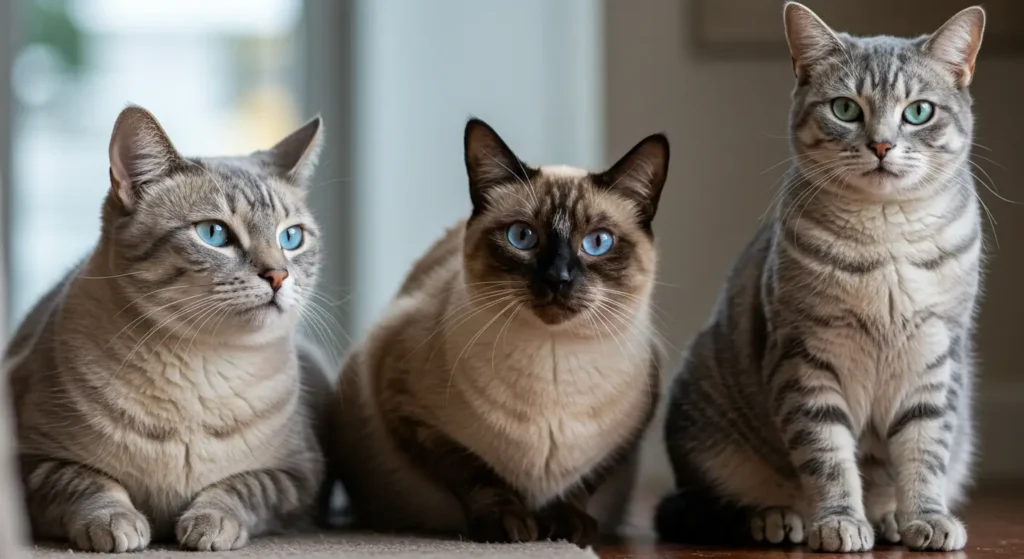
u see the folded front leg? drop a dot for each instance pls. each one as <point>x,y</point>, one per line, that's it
<point>226,514</point>
<point>71,501</point>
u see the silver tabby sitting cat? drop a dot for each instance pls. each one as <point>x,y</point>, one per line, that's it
<point>157,387</point>
<point>830,395</point>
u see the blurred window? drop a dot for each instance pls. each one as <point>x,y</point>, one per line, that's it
<point>221,75</point>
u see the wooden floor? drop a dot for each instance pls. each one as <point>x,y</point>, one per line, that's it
<point>995,529</point>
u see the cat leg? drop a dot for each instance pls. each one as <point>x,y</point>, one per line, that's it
<point>226,514</point>
<point>814,420</point>
<point>71,501</point>
<point>494,511</point>
<point>920,436</point>
<point>567,519</point>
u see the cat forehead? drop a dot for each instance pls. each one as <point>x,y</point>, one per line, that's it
<point>881,64</point>
<point>563,171</point>
<point>235,185</point>
<point>569,197</point>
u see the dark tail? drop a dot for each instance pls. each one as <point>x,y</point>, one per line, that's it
<point>697,517</point>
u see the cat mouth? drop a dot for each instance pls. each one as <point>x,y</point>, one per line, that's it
<point>555,311</point>
<point>271,305</point>
<point>881,171</point>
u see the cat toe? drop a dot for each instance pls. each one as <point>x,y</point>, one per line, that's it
<point>777,525</point>
<point>934,532</point>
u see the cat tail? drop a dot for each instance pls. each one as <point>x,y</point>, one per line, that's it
<point>696,516</point>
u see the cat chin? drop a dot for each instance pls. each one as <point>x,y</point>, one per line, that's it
<point>265,319</point>
<point>555,316</point>
<point>874,187</point>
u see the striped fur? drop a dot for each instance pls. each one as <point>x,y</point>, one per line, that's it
<point>157,387</point>
<point>829,397</point>
<point>487,402</point>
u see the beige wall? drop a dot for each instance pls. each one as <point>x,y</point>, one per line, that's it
<point>727,121</point>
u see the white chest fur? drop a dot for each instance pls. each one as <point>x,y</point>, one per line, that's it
<point>195,420</point>
<point>545,408</point>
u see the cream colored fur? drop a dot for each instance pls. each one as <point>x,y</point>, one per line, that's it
<point>542,405</point>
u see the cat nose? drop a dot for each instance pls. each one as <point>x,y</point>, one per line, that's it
<point>558,279</point>
<point>881,148</point>
<point>274,277</point>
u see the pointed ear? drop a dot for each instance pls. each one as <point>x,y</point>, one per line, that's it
<point>140,152</point>
<point>810,39</point>
<point>295,157</point>
<point>957,42</point>
<point>490,162</point>
<point>640,175</point>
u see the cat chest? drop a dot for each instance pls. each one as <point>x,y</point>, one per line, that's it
<point>548,423</point>
<point>167,441</point>
<point>898,328</point>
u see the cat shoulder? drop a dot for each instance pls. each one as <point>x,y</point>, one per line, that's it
<point>439,262</point>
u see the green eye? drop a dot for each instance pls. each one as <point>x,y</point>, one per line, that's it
<point>918,112</point>
<point>846,109</point>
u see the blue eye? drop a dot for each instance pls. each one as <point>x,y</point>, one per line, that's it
<point>598,242</point>
<point>213,233</point>
<point>521,236</point>
<point>291,238</point>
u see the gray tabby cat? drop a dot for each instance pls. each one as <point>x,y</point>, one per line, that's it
<point>157,387</point>
<point>831,391</point>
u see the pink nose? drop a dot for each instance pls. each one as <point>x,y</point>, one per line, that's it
<point>880,148</point>
<point>274,277</point>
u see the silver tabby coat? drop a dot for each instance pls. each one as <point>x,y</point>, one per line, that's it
<point>157,387</point>
<point>830,395</point>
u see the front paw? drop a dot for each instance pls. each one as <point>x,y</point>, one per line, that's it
<point>777,525</point>
<point>841,533</point>
<point>512,523</point>
<point>112,529</point>
<point>563,521</point>
<point>939,532</point>
<point>210,529</point>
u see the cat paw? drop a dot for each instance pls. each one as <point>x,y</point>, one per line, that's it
<point>511,524</point>
<point>777,525</point>
<point>887,529</point>
<point>115,529</point>
<point>841,533</point>
<point>210,529</point>
<point>938,532</point>
<point>566,522</point>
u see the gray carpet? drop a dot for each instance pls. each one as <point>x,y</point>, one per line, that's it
<point>354,546</point>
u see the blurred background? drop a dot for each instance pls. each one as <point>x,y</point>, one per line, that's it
<point>564,81</point>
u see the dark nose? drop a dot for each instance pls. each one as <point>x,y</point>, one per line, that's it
<point>274,277</point>
<point>881,148</point>
<point>558,279</point>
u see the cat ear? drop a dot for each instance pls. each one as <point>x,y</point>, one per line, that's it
<point>490,162</point>
<point>296,156</point>
<point>810,39</point>
<point>957,42</point>
<point>140,152</point>
<point>640,175</point>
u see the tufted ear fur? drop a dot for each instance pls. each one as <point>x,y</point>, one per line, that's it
<point>640,175</point>
<point>810,39</point>
<point>295,157</point>
<point>140,153</point>
<point>957,42</point>
<point>490,162</point>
